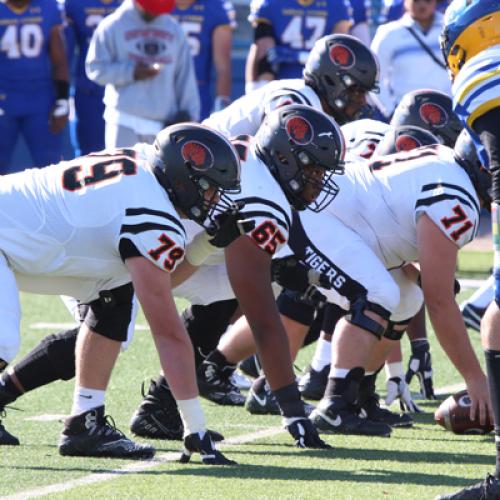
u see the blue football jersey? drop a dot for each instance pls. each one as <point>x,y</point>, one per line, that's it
<point>24,46</point>
<point>361,11</point>
<point>297,24</point>
<point>199,21</point>
<point>83,16</point>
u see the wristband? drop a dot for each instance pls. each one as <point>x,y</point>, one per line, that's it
<point>61,108</point>
<point>199,249</point>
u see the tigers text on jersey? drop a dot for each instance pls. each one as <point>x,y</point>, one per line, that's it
<point>63,228</point>
<point>244,116</point>
<point>382,201</point>
<point>199,21</point>
<point>476,90</point>
<point>298,24</point>
<point>83,16</point>
<point>25,65</point>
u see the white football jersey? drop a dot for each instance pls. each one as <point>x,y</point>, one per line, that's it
<point>65,229</point>
<point>244,116</point>
<point>382,201</point>
<point>362,136</point>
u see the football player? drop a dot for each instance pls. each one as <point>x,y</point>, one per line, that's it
<point>34,78</point>
<point>93,227</point>
<point>208,27</point>
<point>284,33</point>
<point>470,43</point>
<point>82,17</point>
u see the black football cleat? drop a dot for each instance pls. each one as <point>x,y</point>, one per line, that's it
<point>6,438</point>
<point>371,410</point>
<point>202,443</point>
<point>215,384</point>
<point>489,489</point>
<point>157,416</point>
<point>335,416</point>
<point>312,384</point>
<point>92,434</point>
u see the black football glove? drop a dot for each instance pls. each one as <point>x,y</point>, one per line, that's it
<point>228,226</point>
<point>291,274</point>
<point>304,433</point>
<point>201,442</point>
<point>420,365</point>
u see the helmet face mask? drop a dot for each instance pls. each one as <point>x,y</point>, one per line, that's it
<point>431,110</point>
<point>466,156</point>
<point>303,148</point>
<point>198,168</point>
<point>342,70</point>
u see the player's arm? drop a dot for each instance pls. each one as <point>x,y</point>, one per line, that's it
<point>342,27</point>
<point>153,289</point>
<point>258,69</point>
<point>222,40</point>
<point>60,75</point>
<point>438,257</point>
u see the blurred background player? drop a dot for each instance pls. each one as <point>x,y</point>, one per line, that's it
<point>82,17</point>
<point>208,25</point>
<point>471,48</point>
<point>34,78</point>
<point>142,56</point>
<point>361,20</point>
<point>408,52</point>
<point>284,33</point>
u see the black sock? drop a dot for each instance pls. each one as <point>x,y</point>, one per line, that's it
<point>290,402</point>
<point>219,359</point>
<point>258,384</point>
<point>9,387</point>
<point>493,370</point>
<point>347,387</point>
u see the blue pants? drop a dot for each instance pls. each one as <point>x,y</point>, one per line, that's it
<point>90,124</point>
<point>44,146</point>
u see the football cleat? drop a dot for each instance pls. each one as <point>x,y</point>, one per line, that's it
<point>312,384</point>
<point>157,416</point>
<point>215,385</point>
<point>241,381</point>
<point>201,443</point>
<point>338,417</point>
<point>472,316</point>
<point>92,434</point>
<point>250,366</point>
<point>371,410</point>
<point>6,438</point>
<point>489,489</point>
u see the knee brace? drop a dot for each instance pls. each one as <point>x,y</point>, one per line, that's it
<point>391,333</point>
<point>358,317</point>
<point>110,314</point>
<point>331,317</point>
<point>292,306</point>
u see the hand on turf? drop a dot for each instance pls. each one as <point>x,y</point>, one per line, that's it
<point>304,433</point>
<point>201,442</point>
<point>398,389</point>
<point>420,365</point>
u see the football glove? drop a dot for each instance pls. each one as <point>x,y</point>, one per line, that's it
<point>304,433</point>
<point>398,389</point>
<point>201,442</point>
<point>228,226</point>
<point>420,365</point>
<point>291,274</point>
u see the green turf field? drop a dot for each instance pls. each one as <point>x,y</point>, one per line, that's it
<point>417,463</point>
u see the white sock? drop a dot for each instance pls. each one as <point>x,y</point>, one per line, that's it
<point>322,355</point>
<point>192,415</point>
<point>394,370</point>
<point>482,297</point>
<point>85,399</point>
<point>338,372</point>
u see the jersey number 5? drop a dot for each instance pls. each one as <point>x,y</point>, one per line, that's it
<point>460,219</point>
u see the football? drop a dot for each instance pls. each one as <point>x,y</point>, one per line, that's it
<point>453,415</point>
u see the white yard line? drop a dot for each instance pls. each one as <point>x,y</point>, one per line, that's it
<point>136,466</point>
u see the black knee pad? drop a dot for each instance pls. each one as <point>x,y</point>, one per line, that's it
<point>358,317</point>
<point>206,324</point>
<point>391,333</point>
<point>291,305</point>
<point>60,351</point>
<point>332,315</point>
<point>110,314</point>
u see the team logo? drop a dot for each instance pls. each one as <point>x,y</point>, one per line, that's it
<point>433,114</point>
<point>299,130</point>
<point>465,401</point>
<point>406,143</point>
<point>342,56</point>
<point>197,155</point>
